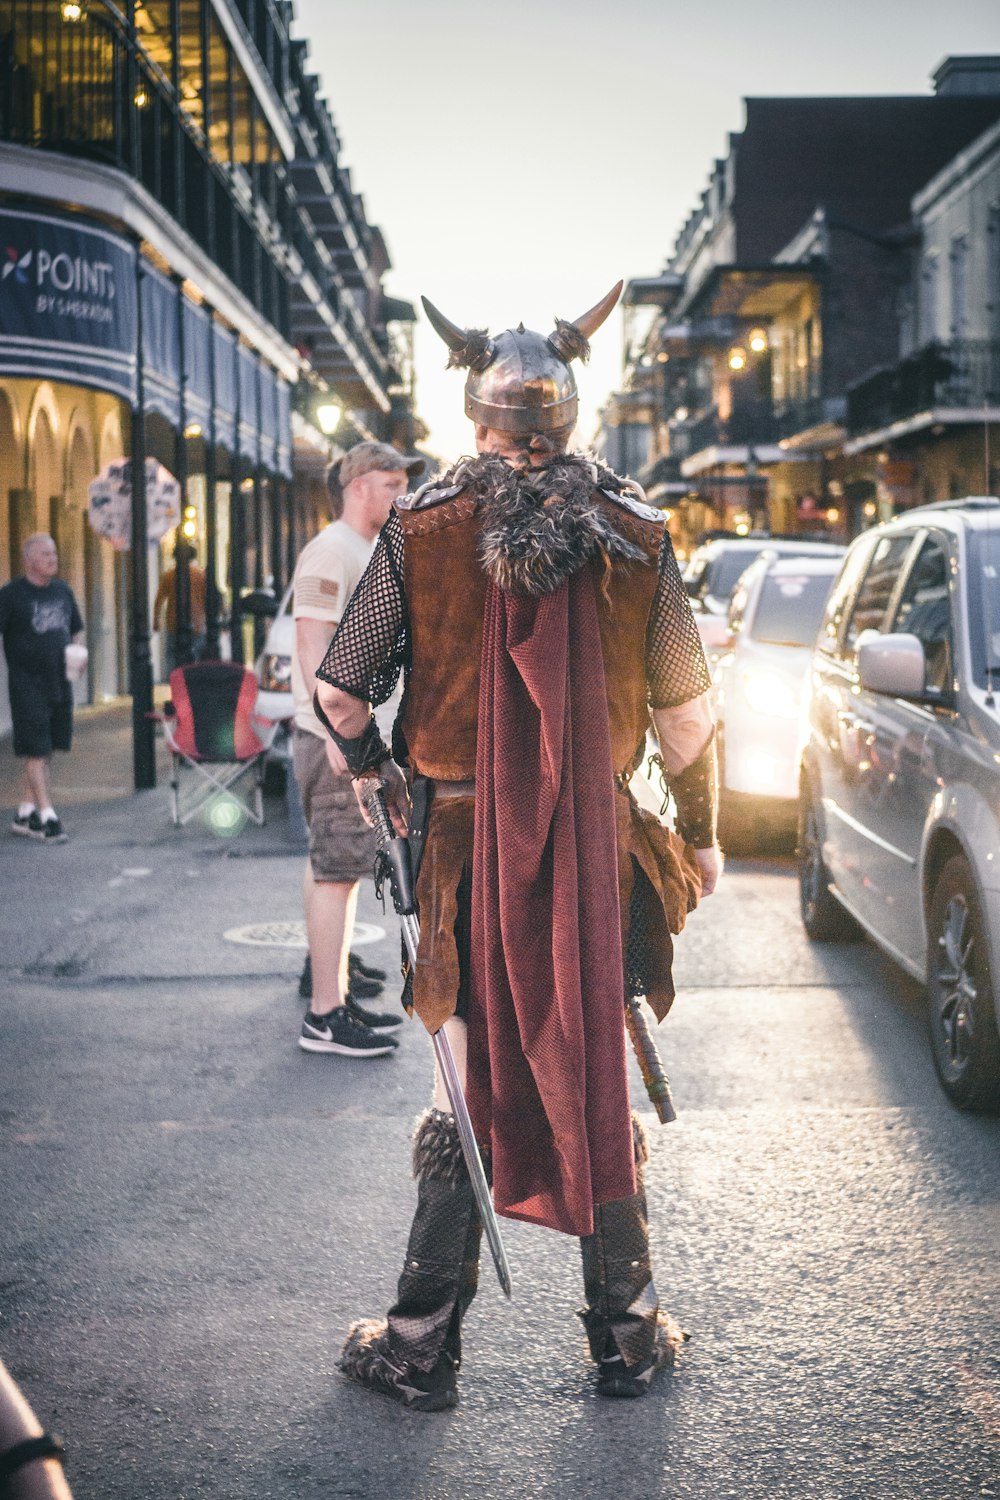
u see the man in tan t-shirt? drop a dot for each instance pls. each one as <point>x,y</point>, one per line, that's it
<point>341,846</point>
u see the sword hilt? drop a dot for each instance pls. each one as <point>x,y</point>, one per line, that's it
<point>650,1064</point>
<point>392,861</point>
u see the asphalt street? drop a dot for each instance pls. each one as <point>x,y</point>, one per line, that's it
<point>192,1211</point>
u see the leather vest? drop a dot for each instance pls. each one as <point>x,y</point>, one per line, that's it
<point>446,594</point>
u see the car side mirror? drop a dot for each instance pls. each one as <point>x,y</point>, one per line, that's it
<point>892,664</point>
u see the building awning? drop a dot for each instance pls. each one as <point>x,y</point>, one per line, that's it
<point>395,310</point>
<point>67,302</point>
<point>921,422</point>
<point>821,436</point>
<point>718,457</point>
<point>761,292</point>
<point>653,291</point>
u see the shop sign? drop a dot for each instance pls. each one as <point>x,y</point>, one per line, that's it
<point>67,302</point>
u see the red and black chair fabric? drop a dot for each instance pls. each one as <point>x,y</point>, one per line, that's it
<point>215,735</point>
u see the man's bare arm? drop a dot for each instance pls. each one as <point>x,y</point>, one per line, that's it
<point>684,734</point>
<point>349,716</point>
<point>312,640</point>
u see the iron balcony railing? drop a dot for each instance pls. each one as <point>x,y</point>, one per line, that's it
<point>746,426</point>
<point>959,376</point>
<point>87,89</point>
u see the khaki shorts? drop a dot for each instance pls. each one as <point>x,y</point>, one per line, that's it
<point>341,845</point>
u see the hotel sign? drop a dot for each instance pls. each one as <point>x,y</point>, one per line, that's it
<point>67,302</point>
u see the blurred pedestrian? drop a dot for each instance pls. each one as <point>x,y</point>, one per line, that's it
<point>165,604</point>
<point>41,626</point>
<point>341,846</point>
<point>535,604</point>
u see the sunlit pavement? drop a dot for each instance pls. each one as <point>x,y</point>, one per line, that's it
<point>192,1210</point>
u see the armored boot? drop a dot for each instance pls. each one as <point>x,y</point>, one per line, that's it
<point>413,1355</point>
<point>630,1338</point>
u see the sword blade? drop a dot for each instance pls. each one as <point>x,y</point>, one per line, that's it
<point>473,1160</point>
<point>375,802</point>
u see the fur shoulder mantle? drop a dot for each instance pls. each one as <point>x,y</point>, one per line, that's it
<point>540,525</point>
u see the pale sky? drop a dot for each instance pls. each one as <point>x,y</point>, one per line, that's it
<point>523,155</point>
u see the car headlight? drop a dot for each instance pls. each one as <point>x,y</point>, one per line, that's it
<point>767,693</point>
<point>276,674</point>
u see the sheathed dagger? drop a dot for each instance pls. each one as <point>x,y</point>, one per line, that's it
<point>393,862</point>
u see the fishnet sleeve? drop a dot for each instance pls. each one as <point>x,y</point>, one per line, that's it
<point>372,642</point>
<point>676,669</point>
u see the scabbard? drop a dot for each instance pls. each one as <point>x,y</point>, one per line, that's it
<point>650,1063</point>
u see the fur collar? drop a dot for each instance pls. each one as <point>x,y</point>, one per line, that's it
<point>540,525</point>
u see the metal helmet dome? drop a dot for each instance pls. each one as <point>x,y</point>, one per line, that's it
<point>520,381</point>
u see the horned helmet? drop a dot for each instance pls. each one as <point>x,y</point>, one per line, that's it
<point>521,381</point>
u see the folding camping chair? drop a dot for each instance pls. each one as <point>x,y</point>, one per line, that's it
<point>213,732</point>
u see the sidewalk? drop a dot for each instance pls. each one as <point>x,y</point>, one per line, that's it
<point>99,767</point>
<point>130,897</point>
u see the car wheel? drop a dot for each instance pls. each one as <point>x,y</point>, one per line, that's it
<point>961,1008</point>
<point>823,917</point>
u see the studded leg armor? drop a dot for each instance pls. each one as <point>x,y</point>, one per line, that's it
<point>413,1355</point>
<point>630,1338</point>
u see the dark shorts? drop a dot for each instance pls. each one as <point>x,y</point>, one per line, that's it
<point>40,726</point>
<point>341,845</point>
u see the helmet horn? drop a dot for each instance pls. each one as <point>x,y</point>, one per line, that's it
<point>453,336</point>
<point>471,348</point>
<point>592,320</point>
<point>572,340</point>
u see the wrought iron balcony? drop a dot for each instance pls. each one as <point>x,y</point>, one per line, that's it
<point>954,378</point>
<point>747,425</point>
<point>88,89</point>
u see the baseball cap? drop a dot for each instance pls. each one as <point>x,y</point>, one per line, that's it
<point>366,458</point>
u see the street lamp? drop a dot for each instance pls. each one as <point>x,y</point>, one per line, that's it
<point>328,415</point>
<point>737,358</point>
<point>757,340</point>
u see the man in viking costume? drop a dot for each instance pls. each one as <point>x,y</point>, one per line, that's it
<point>533,602</point>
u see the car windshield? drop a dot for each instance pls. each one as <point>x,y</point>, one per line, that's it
<point>724,571</point>
<point>984,606</point>
<point>790,608</point>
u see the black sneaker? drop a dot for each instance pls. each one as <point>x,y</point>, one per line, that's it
<point>340,1032</point>
<point>382,1022</point>
<point>306,979</point>
<point>357,968</point>
<point>29,826</point>
<point>363,988</point>
<point>367,1359</point>
<point>53,831</point>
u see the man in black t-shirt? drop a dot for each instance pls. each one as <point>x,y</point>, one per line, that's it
<point>38,620</point>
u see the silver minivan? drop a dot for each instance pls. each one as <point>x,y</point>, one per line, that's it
<point>899,827</point>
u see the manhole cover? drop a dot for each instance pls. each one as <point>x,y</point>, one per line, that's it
<point>293,934</point>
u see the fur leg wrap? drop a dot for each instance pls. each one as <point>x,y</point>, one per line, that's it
<point>441,1271</point>
<point>624,1324</point>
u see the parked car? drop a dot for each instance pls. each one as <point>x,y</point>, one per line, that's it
<point>773,618</point>
<point>900,781</point>
<point>274,674</point>
<point>714,568</point>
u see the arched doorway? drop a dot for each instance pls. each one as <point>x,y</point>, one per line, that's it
<point>114,571</point>
<point>46,474</point>
<point>13,500</point>
<point>11,493</point>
